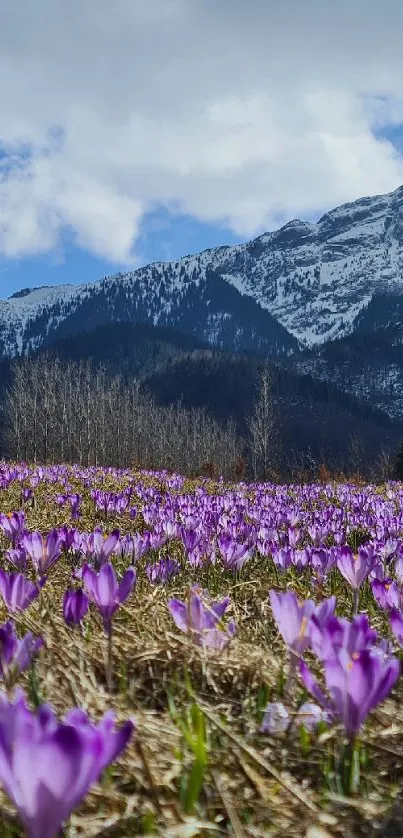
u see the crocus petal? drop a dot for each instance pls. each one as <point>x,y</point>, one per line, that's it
<point>126,585</point>
<point>215,611</point>
<point>179,613</point>
<point>276,718</point>
<point>110,543</point>
<point>312,685</point>
<point>309,715</point>
<point>106,587</point>
<point>215,639</point>
<point>89,578</point>
<point>196,614</point>
<point>28,647</point>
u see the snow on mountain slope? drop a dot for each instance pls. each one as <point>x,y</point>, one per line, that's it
<point>186,295</point>
<point>314,279</point>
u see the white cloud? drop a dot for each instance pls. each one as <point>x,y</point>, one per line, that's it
<point>236,113</point>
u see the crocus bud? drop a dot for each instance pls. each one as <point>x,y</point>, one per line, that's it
<point>75,606</point>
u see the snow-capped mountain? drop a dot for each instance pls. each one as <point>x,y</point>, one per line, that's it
<point>316,278</point>
<point>194,300</point>
<point>301,285</point>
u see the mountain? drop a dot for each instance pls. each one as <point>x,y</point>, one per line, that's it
<point>313,417</point>
<point>369,362</point>
<point>126,349</point>
<point>317,279</point>
<point>194,300</point>
<point>324,299</point>
<point>303,284</point>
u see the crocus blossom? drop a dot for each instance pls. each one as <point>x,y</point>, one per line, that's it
<point>162,571</point>
<point>13,526</point>
<point>48,766</point>
<point>99,547</point>
<point>17,591</point>
<point>386,593</point>
<point>75,605</point>
<point>355,567</point>
<point>276,718</point>
<point>310,715</point>
<point>43,552</point>
<point>105,592</point>
<point>16,654</point>
<point>354,688</point>
<point>233,554</point>
<point>338,635</point>
<point>293,617</point>
<point>17,556</point>
<point>200,618</point>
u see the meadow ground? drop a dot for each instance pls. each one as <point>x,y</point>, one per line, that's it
<point>198,762</point>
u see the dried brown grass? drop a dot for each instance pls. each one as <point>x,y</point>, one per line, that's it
<point>255,785</point>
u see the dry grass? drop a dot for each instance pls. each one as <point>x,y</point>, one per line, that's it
<point>255,785</point>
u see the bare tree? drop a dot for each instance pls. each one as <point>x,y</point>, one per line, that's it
<point>262,425</point>
<point>355,455</point>
<point>72,412</point>
<point>383,466</point>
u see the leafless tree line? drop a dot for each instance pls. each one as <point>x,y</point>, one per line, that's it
<point>58,411</point>
<point>72,412</point>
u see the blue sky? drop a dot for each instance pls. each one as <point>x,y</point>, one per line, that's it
<point>186,124</point>
<point>162,238</point>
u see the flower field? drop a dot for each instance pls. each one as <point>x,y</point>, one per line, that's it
<point>184,658</point>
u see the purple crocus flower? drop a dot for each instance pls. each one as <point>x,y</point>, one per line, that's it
<point>355,567</point>
<point>43,552</point>
<point>190,538</point>
<point>157,539</point>
<point>161,572</point>
<point>16,654</point>
<point>233,555</point>
<point>310,715</point>
<point>26,495</point>
<point>171,528</point>
<point>75,605</point>
<point>105,592</point>
<point>276,718</point>
<point>13,526</point>
<point>292,618</point>
<point>354,689</point>
<point>141,544</point>
<point>386,593</point>
<point>200,619</point>
<point>75,501</point>
<point>324,611</point>
<point>47,766</point>
<point>98,547</point>
<point>68,536</point>
<point>399,568</point>
<point>283,557</point>
<point>114,739</point>
<point>17,591</point>
<point>338,635</point>
<point>17,556</point>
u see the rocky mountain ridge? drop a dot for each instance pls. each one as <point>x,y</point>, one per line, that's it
<point>314,279</point>
<point>288,294</point>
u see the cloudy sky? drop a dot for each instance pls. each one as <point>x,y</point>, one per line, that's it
<point>136,130</point>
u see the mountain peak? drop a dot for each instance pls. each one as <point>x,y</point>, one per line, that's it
<point>310,279</point>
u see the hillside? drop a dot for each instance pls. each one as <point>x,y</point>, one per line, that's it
<point>315,419</point>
